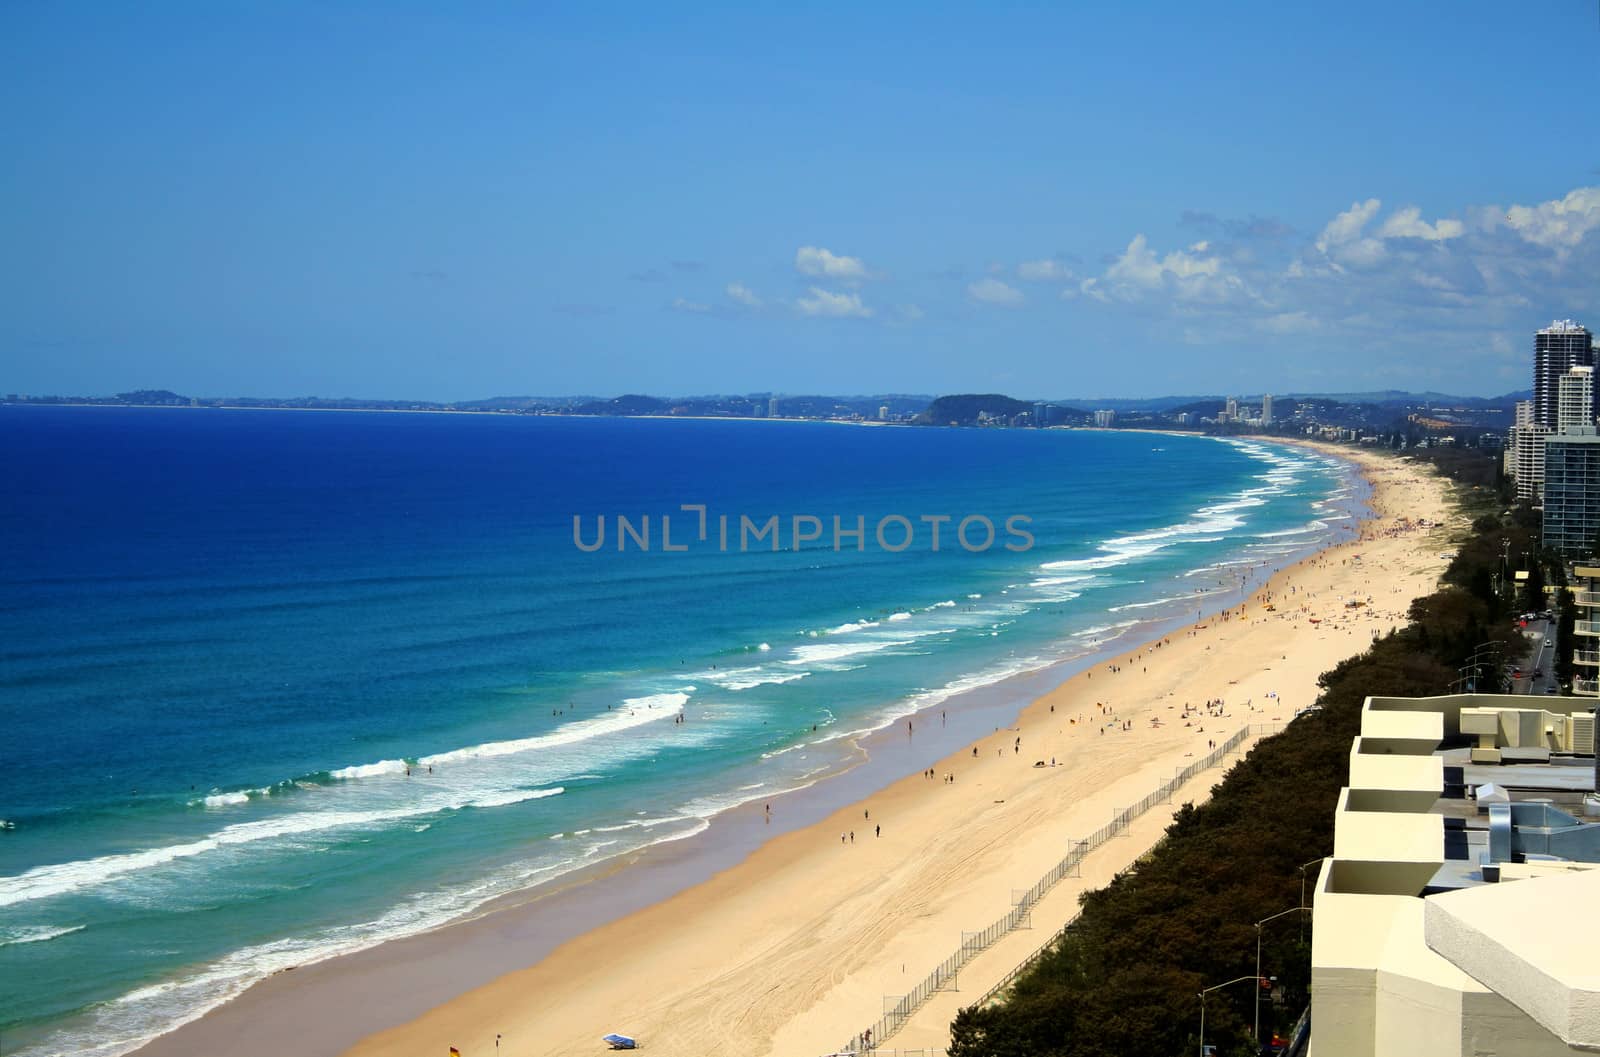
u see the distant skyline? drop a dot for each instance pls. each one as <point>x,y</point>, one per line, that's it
<point>422,201</point>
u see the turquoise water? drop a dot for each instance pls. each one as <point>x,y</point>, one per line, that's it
<point>227,637</point>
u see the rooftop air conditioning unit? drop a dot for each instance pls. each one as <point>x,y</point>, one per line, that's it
<point>1582,733</point>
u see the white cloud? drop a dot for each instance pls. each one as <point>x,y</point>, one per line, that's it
<point>680,304</point>
<point>1342,242</point>
<point>1139,264</point>
<point>1347,226</point>
<point>908,313</point>
<point>1372,277</point>
<point>824,303</point>
<point>994,292</point>
<point>1191,276</point>
<point>1561,224</point>
<point>1043,271</point>
<point>816,261</point>
<point>1407,223</point>
<point>743,294</point>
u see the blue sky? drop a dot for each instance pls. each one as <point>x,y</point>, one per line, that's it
<point>448,201</point>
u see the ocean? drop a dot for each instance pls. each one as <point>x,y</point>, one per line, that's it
<point>280,685</point>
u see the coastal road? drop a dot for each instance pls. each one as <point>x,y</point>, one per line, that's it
<point>1540,658</point>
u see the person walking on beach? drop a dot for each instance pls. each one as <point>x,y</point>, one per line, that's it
<point>877,831</point>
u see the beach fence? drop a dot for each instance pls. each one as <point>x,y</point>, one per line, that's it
<point>897,1010</point>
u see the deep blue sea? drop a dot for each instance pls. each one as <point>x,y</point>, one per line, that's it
<point>277,685</point>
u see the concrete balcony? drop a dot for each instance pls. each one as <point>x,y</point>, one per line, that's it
<point>1586,627</point>
<point>1590,599</point>
<point>1586,657</point>
<point>1586,687</point>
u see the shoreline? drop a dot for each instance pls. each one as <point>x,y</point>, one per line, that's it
<point>399,978</point>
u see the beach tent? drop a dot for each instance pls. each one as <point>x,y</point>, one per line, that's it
<point>620,1042</point>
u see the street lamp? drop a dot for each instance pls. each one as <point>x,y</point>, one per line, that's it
<point>1496,649</point>
<point>1263,921</point>
<point>1303,866</point>
<point>1207,991</point>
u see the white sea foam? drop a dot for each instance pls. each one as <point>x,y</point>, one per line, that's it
<point>644,823</point>
<point>1114,553</point>
<point>900,616</point>
<point>700,826</point>
<point>1102,629</point>
<point>370,770</point>
<point>221,799</point>
<point>858,625</point>
<point>636,712</point>
<point>1315,526</point>
<point>512,796</point>
<point>231,799</point>
<point>116,1027</point>
<point>714,674</point>
<point>733,681</point>
<point>1151,604</point>
<point>946,604</point>
<point>35,934</point>
<point>43,882</point>
<point>836,651</point>
<point>922,633</point>
<point>1058,581</point>
<point>1212,523</point>
<point>1049,597</point>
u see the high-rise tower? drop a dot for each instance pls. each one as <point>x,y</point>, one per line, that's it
<point>1527,452</point>
<point>1556,349</point>
<point>1575,399</point>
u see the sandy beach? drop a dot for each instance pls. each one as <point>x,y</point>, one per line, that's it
<point>791,949</point>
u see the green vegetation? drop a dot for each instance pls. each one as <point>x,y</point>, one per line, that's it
<point>1124,978</point>
<point>964,409</point>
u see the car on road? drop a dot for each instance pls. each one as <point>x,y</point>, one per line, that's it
<point>1549,642</point>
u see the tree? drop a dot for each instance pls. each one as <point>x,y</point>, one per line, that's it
<point>1123,978</point>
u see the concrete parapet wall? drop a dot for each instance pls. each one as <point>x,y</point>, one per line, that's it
<point>1533,942</point>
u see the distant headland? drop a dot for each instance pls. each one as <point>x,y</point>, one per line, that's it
<point>1392,416</point>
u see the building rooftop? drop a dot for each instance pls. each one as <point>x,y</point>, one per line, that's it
<point>1448,924</point>
<point>1532,942</point>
